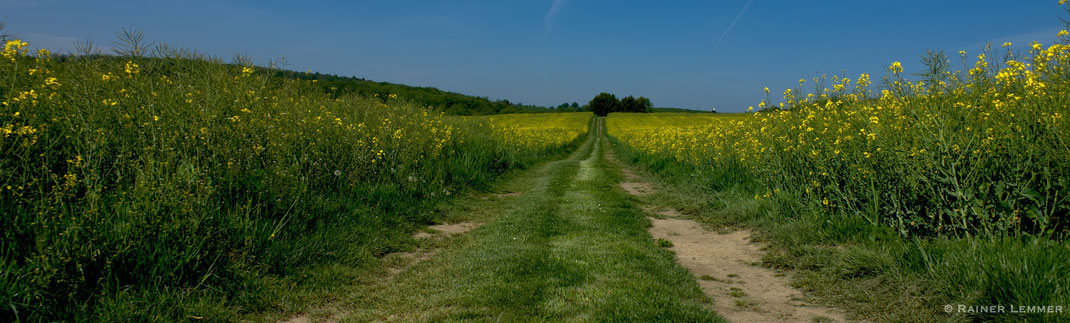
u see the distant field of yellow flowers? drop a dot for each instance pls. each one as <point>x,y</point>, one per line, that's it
<point>536,132</point>
<point>684,136</point>
<point>127,180</point>
<point>981,151</point>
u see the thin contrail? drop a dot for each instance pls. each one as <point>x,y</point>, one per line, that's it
<point>548,20</point>
<point>730,26</point>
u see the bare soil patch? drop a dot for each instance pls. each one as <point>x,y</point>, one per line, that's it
<point>299,319</point>
<point>637,188</point>
<point>729,271</point>
<point>448,229</point>
<point>332,316</point>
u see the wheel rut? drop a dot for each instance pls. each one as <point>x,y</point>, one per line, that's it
<point>727,266</point>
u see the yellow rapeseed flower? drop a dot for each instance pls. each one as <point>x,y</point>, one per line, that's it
<point>896,67</point>
<point>14,48</point>
<point>132,68</point>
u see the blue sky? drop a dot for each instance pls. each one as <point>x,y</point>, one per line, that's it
<point>548,52</point>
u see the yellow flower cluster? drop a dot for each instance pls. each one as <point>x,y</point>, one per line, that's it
<point>14,49</point>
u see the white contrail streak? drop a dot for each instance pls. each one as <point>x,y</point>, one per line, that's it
<point>725,33</point>
<point>548,20</point>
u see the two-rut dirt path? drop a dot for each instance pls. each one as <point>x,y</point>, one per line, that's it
<point>727,265</point>
<point>572,241</point>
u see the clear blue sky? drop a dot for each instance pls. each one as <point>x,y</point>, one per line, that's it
<point>548,52</point>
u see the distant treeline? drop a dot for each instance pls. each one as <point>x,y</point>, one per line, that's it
<point>448,102</point>
<point>461,104</point>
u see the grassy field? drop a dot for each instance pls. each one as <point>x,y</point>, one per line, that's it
<point>954,190</point>
<point>563,245</point>
<point>144,188</point>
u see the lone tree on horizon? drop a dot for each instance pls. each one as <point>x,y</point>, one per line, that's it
<point>603,104</point>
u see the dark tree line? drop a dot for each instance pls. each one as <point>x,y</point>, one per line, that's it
<point>605,103</point>
<point>573,107</point>
<point>448,102</point>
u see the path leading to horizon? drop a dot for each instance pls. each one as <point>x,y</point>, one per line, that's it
<point>573,240</point>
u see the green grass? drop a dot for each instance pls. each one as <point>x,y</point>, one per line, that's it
<point>872,271</point>
<point>571,247</point>
<point>736,292</point>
